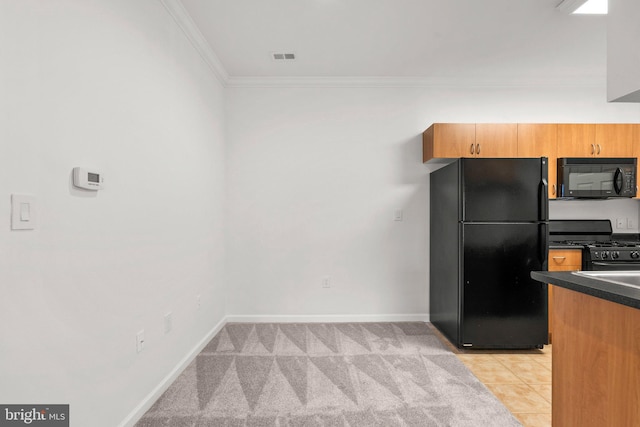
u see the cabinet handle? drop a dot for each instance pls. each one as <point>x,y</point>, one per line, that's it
<point>478,149</point>
<point>593,149</point>
<point>553,191</point>
<point>559,259</point>
<point>599,149</point>
<point>471,150</point>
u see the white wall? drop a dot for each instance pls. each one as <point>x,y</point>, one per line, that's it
<point>623,61</point>
<point>611,209</point>
<point>115,85</point>
<point>315,175</point>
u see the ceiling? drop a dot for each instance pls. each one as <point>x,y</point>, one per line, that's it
<point>442,40</point>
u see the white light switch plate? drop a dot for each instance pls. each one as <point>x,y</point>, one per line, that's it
<point>23,212</point>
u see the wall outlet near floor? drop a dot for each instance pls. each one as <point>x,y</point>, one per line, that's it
<point>631,223</point>
<point>140,341</point>
<point>621,222</point>
<point>168,322</point>
<point>326,282</point>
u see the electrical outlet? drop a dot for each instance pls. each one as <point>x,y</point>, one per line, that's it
<point>140,341</point>
<point>168,322</point>
<point>397,215</point>
<point>621,223</point>
<point>631,223</point>
<point>326,282</point>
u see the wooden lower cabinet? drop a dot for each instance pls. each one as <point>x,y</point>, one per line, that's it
<point>596,362</point>
<point>561,260</point>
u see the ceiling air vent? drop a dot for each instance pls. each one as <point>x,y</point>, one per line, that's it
<point>283,56</point>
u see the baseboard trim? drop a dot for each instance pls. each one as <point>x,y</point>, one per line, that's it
<point>328,318</point>
<point>151,398</point>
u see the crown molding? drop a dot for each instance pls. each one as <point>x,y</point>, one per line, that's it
<point>407,82</point>
<point>190,29</point>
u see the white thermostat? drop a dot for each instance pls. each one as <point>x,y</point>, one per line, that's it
<point>88,179</point>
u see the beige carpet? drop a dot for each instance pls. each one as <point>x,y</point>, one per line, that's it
<point>330,374</point>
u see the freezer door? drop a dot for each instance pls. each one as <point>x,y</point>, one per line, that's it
<point>505,189</point>
<point>502,307</point>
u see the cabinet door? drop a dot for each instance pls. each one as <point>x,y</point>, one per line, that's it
<point>561,260</point>
<point>614,140</point>
<point>576,140</point>
<point>496,140</point>
<point>448,140</point>
<point>540,140</point>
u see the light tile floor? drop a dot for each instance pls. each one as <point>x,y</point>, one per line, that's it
<point>520,379</point>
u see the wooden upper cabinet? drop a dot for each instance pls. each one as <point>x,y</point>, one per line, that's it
<point>635,147</point>
<point>595,140</point>
<point>576,140</point>
<point>496,140</point>
<point>454,140</point>
<point>448,140</point>
<point>614,140</point>
<point>540,140</point>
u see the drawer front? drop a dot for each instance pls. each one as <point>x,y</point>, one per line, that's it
<point>565,259</point>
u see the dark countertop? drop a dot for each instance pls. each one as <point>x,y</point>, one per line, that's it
<point>591,286</point>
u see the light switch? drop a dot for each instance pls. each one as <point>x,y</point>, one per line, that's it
<point>23,212</point>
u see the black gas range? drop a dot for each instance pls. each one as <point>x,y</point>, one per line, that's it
<point>601,250</point>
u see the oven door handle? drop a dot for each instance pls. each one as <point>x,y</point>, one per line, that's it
<point>614,265</point>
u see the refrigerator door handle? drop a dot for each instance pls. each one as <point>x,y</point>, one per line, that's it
<point>543,200</point>
<point>543,241</point>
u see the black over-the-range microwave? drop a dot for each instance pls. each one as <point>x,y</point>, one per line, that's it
<point>597,178</point>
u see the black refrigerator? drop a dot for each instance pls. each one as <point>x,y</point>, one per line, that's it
<point>488,230</point>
